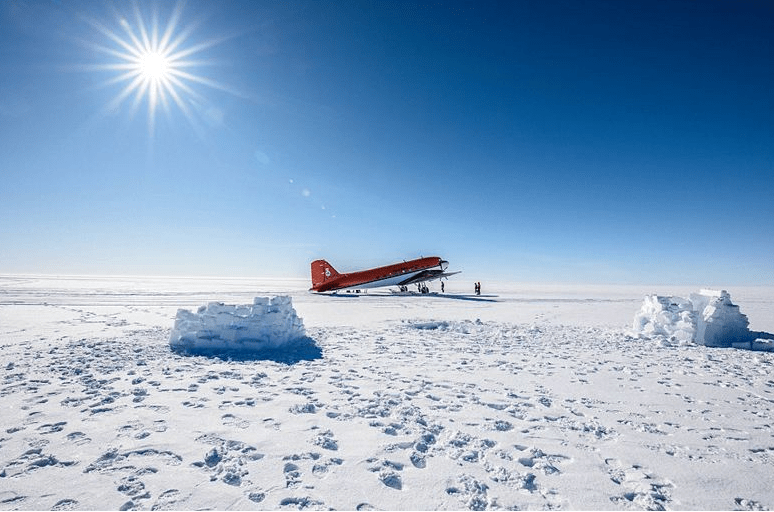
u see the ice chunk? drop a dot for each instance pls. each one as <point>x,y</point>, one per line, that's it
<point>672,317</point>
<point>766,345</point>
<point>267,324</point>
<point>707,318</point>
<point>719,323</point>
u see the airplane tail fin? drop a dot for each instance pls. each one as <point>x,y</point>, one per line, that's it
<point>321,272</point>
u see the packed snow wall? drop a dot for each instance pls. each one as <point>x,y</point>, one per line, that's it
<point>672,317</point>
<point>707,318</point>
<point>266,324</point>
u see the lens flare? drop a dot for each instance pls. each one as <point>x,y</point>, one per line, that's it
<point>156,67</point>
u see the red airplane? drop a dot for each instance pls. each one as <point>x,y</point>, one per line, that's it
<point>326,279</point>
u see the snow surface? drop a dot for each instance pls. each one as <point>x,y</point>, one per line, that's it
<point>530,397</point>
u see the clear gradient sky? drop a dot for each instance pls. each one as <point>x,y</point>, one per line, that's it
<point>582,141</point>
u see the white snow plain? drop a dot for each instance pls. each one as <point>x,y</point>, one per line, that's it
<point>527,397</point>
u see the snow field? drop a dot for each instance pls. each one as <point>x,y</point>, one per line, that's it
<point>411,405</point>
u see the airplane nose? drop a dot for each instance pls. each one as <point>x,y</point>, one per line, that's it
<point>444,264</point>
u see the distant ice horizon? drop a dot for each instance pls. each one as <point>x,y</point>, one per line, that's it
<point>295,277</point>
<point>752,299</point>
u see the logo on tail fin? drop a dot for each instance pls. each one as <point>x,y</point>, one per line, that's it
<point>322,271</point>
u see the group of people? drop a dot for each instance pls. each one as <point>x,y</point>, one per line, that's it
<point>477,287</point>
<point>421,288</point>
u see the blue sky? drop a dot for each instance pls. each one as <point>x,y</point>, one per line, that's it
<point>585,142</point>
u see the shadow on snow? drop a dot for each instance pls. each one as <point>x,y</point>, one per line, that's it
<point>435,295</point>
<point>759,341</point>
<point>472,298</point>
<point>303,349</point>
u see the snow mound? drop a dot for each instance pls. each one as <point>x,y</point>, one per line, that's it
<point>462,327</point>
<point>706,318</point>
<point>672,317</point>
<point>267,324</point>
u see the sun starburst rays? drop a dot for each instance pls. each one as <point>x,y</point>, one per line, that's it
<point>156,67</point>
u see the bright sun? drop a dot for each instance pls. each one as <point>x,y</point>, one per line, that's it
<point>155,66</point>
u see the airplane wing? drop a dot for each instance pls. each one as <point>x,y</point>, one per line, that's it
<point>427,275</point>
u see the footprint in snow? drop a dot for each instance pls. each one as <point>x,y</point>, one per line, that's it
<point>391,479</point>
<point>78,438</point>
<point>471,492</point>
<point>10,497</point>
<point>230,420</point>
<point>301,503</point>
<point>418,460</point>
<point>133,487</point>
<point>292,474</point>
<point>744,504</point>
<point>167,500</point>
<point>65,504</point>
<point>32,460</point>
<point>322,468</point>
<point>641,489</point>
<point>114,459</point>
<point>327,441</point>
<point>256,496</point>
<point>538,460</point>
<point>197,404</point>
